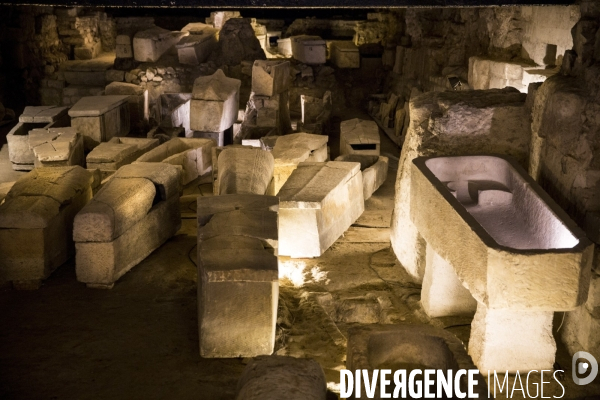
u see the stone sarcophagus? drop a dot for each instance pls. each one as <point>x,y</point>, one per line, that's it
<point>109,156</point>
<point>520,256</point>
<point>134,213</point>
<point>318,203</point>
<point>238,284</point>
<point>215,102</point>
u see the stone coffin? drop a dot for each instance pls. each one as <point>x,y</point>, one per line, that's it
<point>100,118</point>
<point>198,46</point>
<point>359,136</point>
<point>345,54</point>
<point>284,47</point>
<point>280,377</point>
<point>374,171</point>
<point>192,156</point>
<point>409,347</point>
<point>56,147</point>
<point>109,156</point>
<point>309,49</point>
<point>292,149</point>
<point>238,285</point>
<point>518,253</point>
<point>318,203</point>
<point>175,111</point>
<point>138,101</point>
<point>132,215</point>
<point>44,117</point>
<point>244,170</point>
<point>270,77</point>
<point>36,223</point>
<point>149,45</point>
<point>215,102</point>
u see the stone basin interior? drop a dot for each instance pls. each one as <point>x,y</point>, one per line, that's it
<point>393,350</point>
<point>502,201</point>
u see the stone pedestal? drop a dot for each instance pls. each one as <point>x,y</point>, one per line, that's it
<point>512,340</point>
<point>318,203</point>
<point>100,118</point>
<point>442,293</point>
<point>215,102</point>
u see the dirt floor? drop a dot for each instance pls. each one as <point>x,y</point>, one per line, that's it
<point>139,340</point>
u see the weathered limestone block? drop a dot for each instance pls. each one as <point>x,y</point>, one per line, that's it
<point>508,340</point>
<point>314,109</point>
<point>198,46</point>
<point>447,123</point>
<point>19,152</point>
<point>443,294</point>
<point>134,213</point>
<point>318,203</point>
<point>56,147</point>
<point>88,72</point>
<point>270,77</point>
<point>100,118</point>
<point>309,49</point>
<point>409,347</point>
<point>358,136</point>
<point>36,222</point>
<point>345,54</point>
<point>191,154</point>
<point>215,102</point>
<point>284,47</point>
<point>374,171</point>
<point>149,45</point>
<point>138,101</point>
<point>278,377</point>
<point>292,149</point>
<point>237,272</point>
<point>487,73</point>
<point>244,170</point>
<point>175,111</point>
<point>266,115</point>
<point>109,156</point>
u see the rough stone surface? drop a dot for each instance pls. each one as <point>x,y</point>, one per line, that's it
<point>374,171</point>
<point>270,77</point>
<point>149,45</point>
<point>359,136</point>
<point>112,155</point>
<point>318,203</point>
<point>309,49</point>
<point>237,43</point>
<point>138,101</point>
<point>345,54</point>
<point>277,377</point>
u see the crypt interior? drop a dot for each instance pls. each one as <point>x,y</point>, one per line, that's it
<point>240,203</point>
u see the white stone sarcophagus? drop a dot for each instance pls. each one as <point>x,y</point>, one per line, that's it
<point>134,213</point>
<point>309,49</point>
<point>520,256</point>
<point>318,203</point>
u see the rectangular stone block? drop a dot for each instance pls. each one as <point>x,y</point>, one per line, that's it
<point>149,45</point>
<point>56,147</point>
<point>198,46</point>
<point>100,118</point>
<point>109,156</point>
<point>345,54</point>
<point>318,203</point>
<point>138,101</point>
<point>309,49</point>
